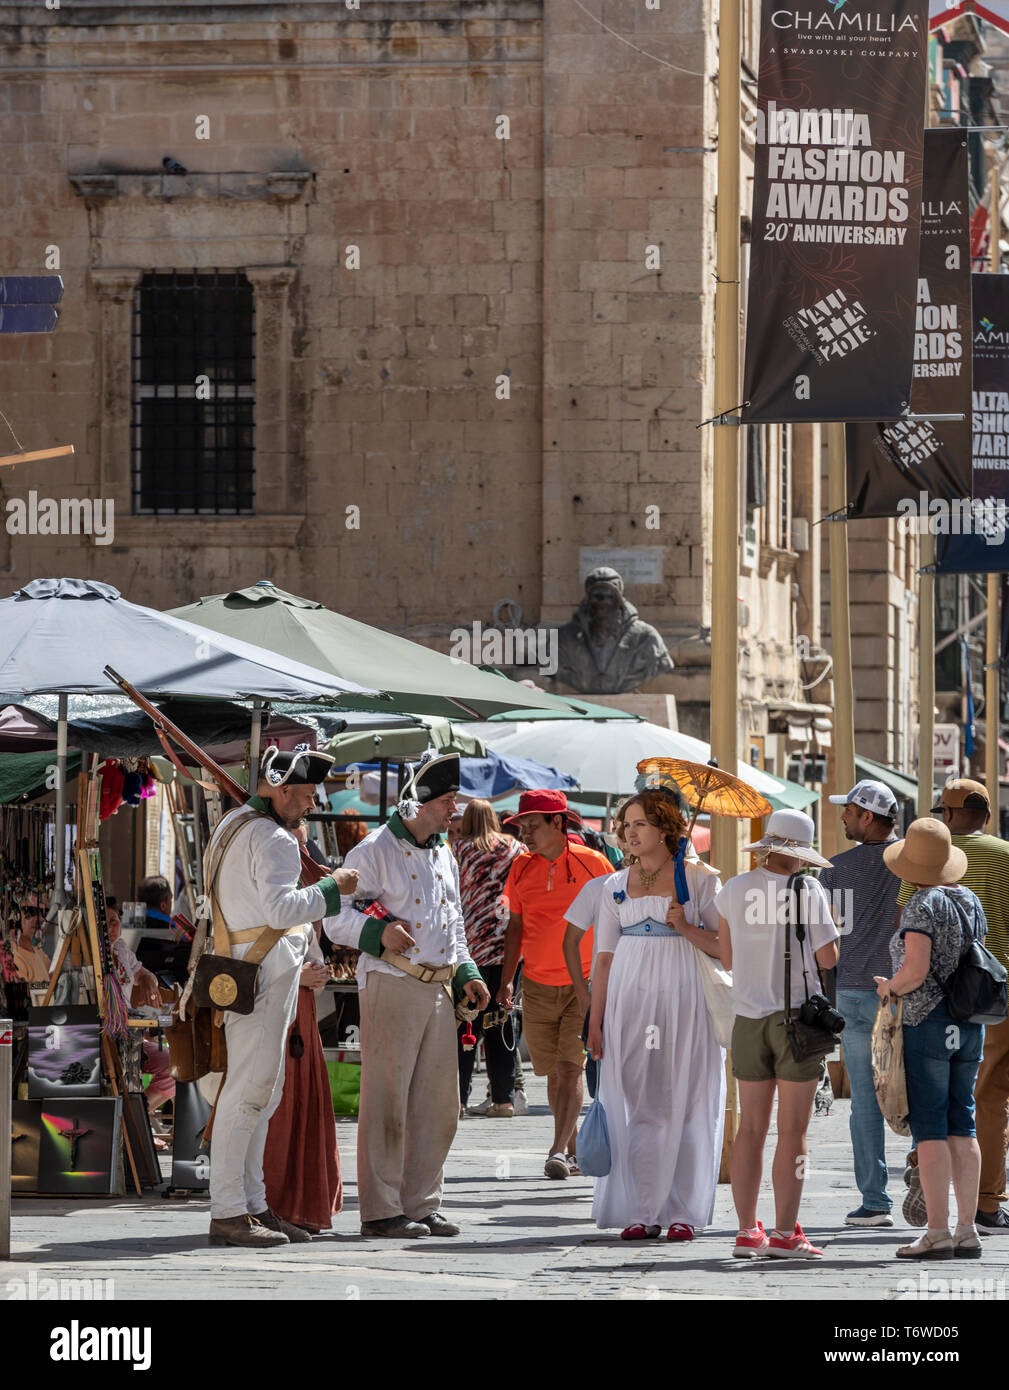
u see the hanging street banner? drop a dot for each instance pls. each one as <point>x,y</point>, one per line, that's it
<point>993,11</point>
<point>836,210</point>
<point>979,543</point>
<point>897,469</point>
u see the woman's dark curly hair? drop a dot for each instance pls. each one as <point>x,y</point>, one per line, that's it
<point>662,810</point>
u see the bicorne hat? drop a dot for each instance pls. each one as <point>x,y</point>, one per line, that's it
<point>432,777</point>
<point>302,767</point>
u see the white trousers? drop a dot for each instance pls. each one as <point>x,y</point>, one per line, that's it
<point>409,1095</point>
<point>257,1044</point>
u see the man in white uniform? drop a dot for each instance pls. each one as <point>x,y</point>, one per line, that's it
<point>252,874</point>
<point>410,959</point>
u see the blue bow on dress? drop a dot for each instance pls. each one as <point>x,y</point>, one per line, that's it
<point>680,870</point>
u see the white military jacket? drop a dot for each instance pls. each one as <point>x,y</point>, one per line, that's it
<point>420,886</point>
<point>256,885</point>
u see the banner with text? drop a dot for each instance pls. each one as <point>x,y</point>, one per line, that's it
<point>896,469</point>
<point>978,543</point>
<point>836,210</point>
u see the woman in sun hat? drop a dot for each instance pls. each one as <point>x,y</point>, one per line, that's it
<point>941,1055</point>
<point>753,913</point>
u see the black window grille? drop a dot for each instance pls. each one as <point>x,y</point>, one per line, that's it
<point>194,394</point>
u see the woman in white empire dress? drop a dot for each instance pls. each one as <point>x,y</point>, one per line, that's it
<point>662,1078</point>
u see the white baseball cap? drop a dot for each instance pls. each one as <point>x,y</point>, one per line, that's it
<point>869,796</point>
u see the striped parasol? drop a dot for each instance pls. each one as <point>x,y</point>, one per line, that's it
<point>706,785</point>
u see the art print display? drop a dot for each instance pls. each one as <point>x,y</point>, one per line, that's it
<point>79,1150</point>
<point>64,1052</point>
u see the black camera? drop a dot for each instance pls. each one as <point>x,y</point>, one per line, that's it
<point>818,1012</point>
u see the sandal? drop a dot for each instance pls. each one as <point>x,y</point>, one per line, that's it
<point>640,1232</point>
<point>572,1163</point>
<point>679,1230</point>
<point>927,1247</point>
<point>966,1246</point>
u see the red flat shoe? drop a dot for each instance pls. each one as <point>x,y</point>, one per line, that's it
<point>679,1231</point>
<point>640,1232</point>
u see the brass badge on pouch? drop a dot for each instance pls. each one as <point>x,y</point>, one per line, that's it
<point>223,991</point>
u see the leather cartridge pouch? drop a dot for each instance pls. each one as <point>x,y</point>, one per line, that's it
<point>195,1046</point>
<point>219,982</point>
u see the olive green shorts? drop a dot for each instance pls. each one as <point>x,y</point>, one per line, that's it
<point>760,1052</point>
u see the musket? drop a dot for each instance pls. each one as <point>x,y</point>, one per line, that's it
<point>311,872</point>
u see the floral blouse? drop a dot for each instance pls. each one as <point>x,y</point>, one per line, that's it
<point>947,916</point>
<point>482,878</point>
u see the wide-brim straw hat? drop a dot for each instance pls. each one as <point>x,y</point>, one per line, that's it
<point>926,856</point>
<point>790,833</point>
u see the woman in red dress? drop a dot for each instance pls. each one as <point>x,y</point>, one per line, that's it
<point>301,1165</point>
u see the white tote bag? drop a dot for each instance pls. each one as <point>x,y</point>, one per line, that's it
<point>716,982</point>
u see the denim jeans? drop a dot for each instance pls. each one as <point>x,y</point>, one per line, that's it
<point>941,1059</point>
<point>866,1124</point>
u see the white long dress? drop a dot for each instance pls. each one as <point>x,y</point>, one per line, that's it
<point>662,1078</point>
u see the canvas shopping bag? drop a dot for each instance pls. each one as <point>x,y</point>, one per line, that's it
<point>888,1065</point>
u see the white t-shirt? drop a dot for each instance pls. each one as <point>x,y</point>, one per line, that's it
<point>584,909</point>
<point>753,904</point>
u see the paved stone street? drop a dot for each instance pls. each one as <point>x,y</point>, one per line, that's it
<point>524,1237</point>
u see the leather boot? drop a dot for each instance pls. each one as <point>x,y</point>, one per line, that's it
<point>242,1230</point>
<point>273,1222</point>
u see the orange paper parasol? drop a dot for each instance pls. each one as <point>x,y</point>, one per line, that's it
<point>702,784</point>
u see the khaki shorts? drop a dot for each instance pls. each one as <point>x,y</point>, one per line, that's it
<point>760,1052</point>
<point>552,1022</point>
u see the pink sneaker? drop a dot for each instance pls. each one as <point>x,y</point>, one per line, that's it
<point>750,1244</point>
<point>793,1247</point>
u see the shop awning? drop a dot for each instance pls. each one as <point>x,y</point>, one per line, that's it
<point>903,787</point>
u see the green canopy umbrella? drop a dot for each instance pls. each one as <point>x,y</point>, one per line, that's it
<point>409,741</point>
<point>418,680</point>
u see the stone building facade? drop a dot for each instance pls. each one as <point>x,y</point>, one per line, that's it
<point>478,242</point>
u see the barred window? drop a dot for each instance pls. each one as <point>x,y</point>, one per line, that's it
<point>194,394</point>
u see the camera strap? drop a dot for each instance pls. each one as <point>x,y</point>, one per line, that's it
<point>793,905</point>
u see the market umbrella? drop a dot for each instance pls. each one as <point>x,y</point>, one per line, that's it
<point>57,636</point>
<point>419,680</point>
<point>705,785</point>
<point>604,756</point>
<point>490,777</point>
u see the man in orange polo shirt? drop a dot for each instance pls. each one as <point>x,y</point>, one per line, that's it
<point>541,887</point>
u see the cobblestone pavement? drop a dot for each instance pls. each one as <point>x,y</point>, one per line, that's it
<point>524,1237</point>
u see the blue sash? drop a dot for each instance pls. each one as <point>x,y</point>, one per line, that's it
<point>649,927</point>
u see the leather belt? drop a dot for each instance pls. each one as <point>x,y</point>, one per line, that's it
<point>429,974</point>
<point>239,938</point>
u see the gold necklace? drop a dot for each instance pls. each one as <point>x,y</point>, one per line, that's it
<point>648,879</point>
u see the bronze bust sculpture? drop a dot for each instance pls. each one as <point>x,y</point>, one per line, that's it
<point>606,648</point>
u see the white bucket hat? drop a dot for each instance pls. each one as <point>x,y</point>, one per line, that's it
<point>790,833</point>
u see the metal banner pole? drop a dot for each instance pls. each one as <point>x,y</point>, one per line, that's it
<point>840,616</point>
<point>725,519</point>
<point>6,1085</point>
<point>992,702</point>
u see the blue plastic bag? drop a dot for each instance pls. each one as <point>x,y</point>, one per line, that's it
<point>593,1147</point>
